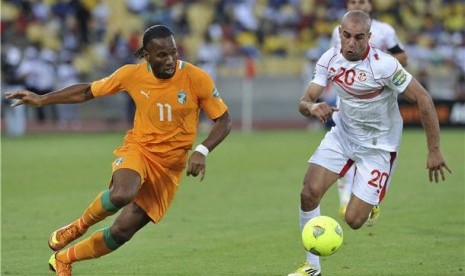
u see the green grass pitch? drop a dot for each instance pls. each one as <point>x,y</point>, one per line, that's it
<point>242,219</point>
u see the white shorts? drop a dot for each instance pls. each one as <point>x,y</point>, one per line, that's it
<point>373,167</point>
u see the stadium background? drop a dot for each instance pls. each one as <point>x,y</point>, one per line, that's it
<point>267,46</point>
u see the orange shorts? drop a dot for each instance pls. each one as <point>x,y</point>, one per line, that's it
<point>159,183</point>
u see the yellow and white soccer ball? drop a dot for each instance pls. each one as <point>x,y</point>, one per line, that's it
<point>322,236</point>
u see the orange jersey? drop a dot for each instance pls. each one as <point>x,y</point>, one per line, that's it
<point>167,111</point>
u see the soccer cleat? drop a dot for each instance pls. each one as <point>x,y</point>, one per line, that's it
<point>374,215</point>
<point>306,269</point>
<point>60,268</point>
<point>63,236</point>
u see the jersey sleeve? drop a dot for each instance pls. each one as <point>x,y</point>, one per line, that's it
<point>208,95</point>
<point>396,77</point>
<point>111,84</point>
<point>321,69</point>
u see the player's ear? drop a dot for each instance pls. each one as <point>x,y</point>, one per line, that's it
<point>145,54</point>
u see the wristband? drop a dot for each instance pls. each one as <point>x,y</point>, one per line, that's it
<point>202,149</point>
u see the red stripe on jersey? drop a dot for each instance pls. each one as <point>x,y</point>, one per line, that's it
<point>366,95</point>
<point>383,191</point>
<point>346,167</point>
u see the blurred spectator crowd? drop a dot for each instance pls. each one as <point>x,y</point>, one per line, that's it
<point>48,44</point>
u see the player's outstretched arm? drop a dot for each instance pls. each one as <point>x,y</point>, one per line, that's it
<point>72,94</point>
<point>436,163</point>
<point>309,107</point>
<point>197,162</point>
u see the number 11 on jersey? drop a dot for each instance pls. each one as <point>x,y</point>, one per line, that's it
<point>161,109</point>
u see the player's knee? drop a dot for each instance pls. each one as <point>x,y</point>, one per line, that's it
<point>121,235</point>
<point>354,222</point>
<point>121,199</point>
<point>123,194</point>
<point>125,186</point>
<point>309,197</point>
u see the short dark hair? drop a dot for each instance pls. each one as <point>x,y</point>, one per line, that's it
<point>359,17</point>
<point>155,31</point>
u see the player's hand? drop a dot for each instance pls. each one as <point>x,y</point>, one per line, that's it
<point>322,111</point>
<point>24,97</point>
<point>436,165</point>
<point>196,165</point>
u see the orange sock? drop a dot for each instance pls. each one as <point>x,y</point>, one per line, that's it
<point>98,244</point>
<point>98,210</point>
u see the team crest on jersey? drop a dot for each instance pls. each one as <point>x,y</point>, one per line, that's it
<point>362,76</point>
<point>182,97</point>
<point>216,93</point>
<point>399,78</point>
<point>118,161</point>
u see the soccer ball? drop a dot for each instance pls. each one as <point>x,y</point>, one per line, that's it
<point>322,236</point>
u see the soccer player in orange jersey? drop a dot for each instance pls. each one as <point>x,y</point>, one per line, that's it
<point>168,94</point>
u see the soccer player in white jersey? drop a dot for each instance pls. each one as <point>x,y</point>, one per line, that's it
<point>383,36</point>
<point>368,125</point>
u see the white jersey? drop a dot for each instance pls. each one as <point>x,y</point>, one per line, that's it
<point>368,111</point>
<point>383,36</point>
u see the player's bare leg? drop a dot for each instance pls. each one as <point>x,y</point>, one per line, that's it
<point>131,219</point>
<point>317,181</point>
<point>357,213</point>
<point>125,187</point>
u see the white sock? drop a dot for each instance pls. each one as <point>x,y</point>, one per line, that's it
<point>304,218</point>
<point>344,186</point>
